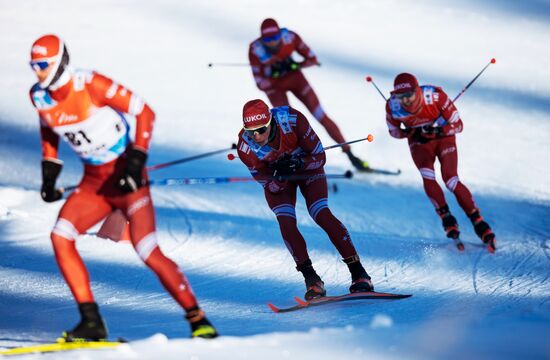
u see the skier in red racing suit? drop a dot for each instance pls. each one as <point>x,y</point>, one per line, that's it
<point>283,153</point>
<point>276,73</point>
<point>88,110</point>
<point>430,122</point>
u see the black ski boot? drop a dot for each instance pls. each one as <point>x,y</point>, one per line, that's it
<point>200,326</point>
<point>357,163</point>
<point>483,230</point>
<point>450,226</point>
<point>315,287</point>
<point>360,280</point>
<point>91,326</point>
<point>449,222</point>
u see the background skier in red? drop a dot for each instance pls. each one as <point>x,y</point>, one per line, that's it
<point>430,122</point>
<point>87,110</point>
<point>276,73</point>
<point>276,146</point>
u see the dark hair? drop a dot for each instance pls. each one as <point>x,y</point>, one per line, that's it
<point>62,65</point>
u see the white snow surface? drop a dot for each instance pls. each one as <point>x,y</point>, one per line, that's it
<point>465,305</point>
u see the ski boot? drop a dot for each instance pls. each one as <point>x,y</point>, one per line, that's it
<point>315,287</point>
<point>450,226</point>
<point>357,163</point>
<point>360,280</point>
<point>483,230</point>
<point>200,326</point>
<point>90,328</point>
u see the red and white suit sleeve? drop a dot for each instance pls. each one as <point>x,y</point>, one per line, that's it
<point>49,140</point>
<point>308,141</point>
<point>303,49</point>
<point>109,93</point>
<point>258,169</point>
<point>257,67</point>
<point>449,113</point>
<point>394,126</point>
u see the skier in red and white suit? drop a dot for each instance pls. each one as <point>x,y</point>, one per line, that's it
<point>87,110</point>
<point>276,146</point>
<point>275,73</point>
<point>430,122</point>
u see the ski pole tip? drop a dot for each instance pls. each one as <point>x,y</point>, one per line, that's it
<point>209,64</point>
<point>230,157</point>
<point>370,138</point>
<point>493,60</point>
<point>368,78</point>
<point>348,174</point>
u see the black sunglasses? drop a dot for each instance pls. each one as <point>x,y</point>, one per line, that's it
<point>260,130</point>
<point>408,94</point>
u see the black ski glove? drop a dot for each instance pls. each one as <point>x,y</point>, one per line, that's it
<point>286,166</point>
<point>132,178</point>
<point>50,172</point>
<point>425,134</point>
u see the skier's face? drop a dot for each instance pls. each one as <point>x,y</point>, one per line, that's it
<point>410,101</point>
<point>42,69</point>
<point>261,135</point>
<point>272,42</point>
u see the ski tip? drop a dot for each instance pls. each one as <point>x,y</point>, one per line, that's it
<point>273,307</point>
<point>300,301</point>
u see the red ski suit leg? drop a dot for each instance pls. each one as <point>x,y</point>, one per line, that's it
<point>315,193</point>
<point>424,158</point>
<point>447,153</point>
<point>82,210</point>
<point>445,150</point>
<point>96,196</point>
<point>283,205</point>
<point>296,83</point>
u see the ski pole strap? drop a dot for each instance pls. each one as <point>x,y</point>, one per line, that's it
<point>190,158</point>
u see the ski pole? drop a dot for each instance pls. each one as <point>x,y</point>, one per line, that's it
<point>493,60</point>
<point>166,164</point>
<point>190,158</point>
<point>369,79</point>
<point>370,138</point>
<point>228,64</point>
<point>224,180</point>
